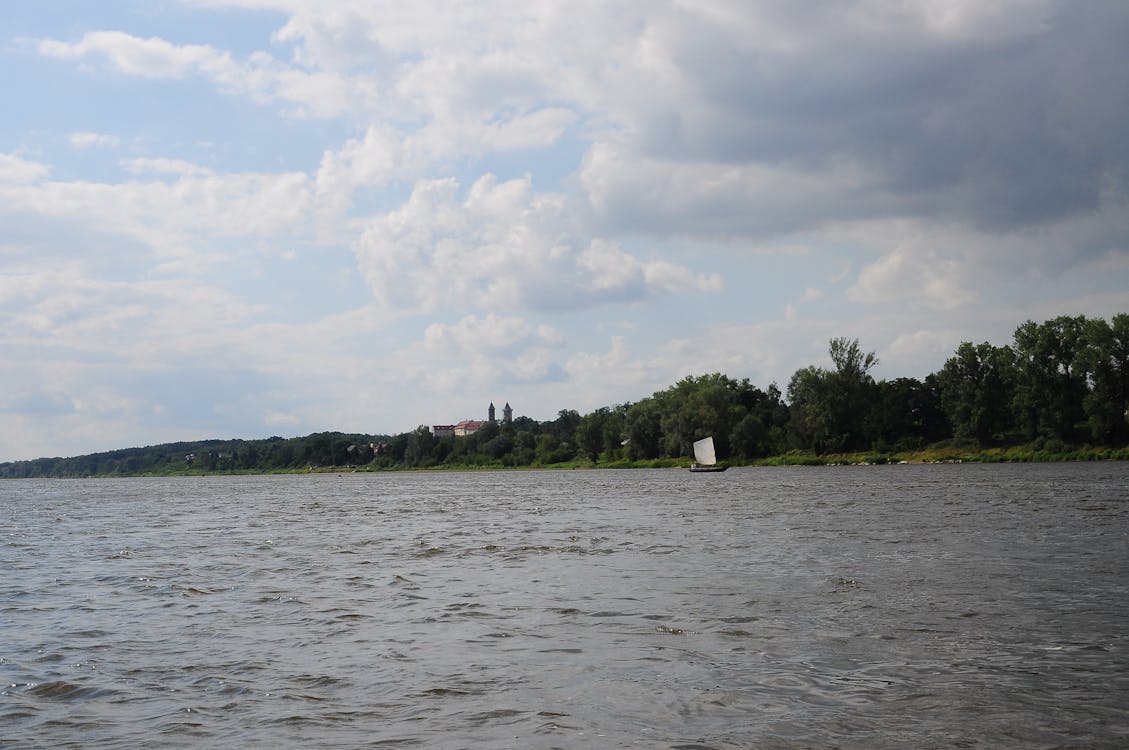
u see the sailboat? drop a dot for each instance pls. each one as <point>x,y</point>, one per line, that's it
<point>706,457</point>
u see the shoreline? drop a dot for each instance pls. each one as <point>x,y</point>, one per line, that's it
<point>1015,454</point>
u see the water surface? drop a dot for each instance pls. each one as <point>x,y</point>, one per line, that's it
<point>861,607</point>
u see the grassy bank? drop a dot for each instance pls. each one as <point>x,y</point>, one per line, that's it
<point>933,455</point>
<point>937,455</point>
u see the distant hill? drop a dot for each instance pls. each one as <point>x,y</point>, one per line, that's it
<point>319,450</point>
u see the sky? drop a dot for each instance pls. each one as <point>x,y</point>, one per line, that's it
<point>246,218</point>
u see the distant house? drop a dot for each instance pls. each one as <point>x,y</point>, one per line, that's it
<point>467,427</point>
<point>462,429</point>
<point>471,426</point>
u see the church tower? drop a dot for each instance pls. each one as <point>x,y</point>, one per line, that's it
<point>507,413</point>
<point>490,411</point>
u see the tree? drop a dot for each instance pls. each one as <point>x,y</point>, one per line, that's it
<point>1052,383</point>
<point>850,362</point>
<point>829,409</point>
<point>906,414</point>
<point>552,450</point>
<point>977,388</point>
<point>499,446</point>
<point>695,408</point>
<point>590,433</point>
<point>564,427</point>
<point>644,429</point>
<point>749,437</point>
<point>810,399</point>
<point>1105,356</point>
<point>525,447</point>
<point>854,392</point>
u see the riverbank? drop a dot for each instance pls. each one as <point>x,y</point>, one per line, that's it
<point>1013,454</point>
<point>936,455</point>
<point>931,455</point>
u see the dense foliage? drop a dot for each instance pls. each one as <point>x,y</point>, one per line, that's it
<point>321,449</point>
<point>1063,383</point>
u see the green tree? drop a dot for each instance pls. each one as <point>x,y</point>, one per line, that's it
<point>525,447</point>
<point>907,414</point>
<point>851,363</point>
<point>764,417</point>
<point>552,450</point>
<point>811,396</point>
<point>564,426</point>
<point>499,446</point>
<point>749,437</point>
<point>1106,359</point>
<point>1052,384</point>
<point>420,447</point>
<point>977,388</point>
<point>644,429</point>
<point>590,433</point>
<point>700,406</point>
<point>829,409</point>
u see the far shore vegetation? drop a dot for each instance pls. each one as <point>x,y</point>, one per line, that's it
<point>1059,392</point>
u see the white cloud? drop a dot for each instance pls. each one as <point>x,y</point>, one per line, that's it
<point>261,77</point>
<point>734,119</point>
<point>810,294</point>
<point>163,215</point>
<point>384,155</point>
<point>491,334</point>
<point>81,313</point>
<point>587,369</point>
<point>538,128</point>
<point>707,199</point>
<point>281,419</point>
<point>502,247</point>
<point>374,160</point>
<point>15,170</point>
<point>940,265</point>
<point>922,351</point>
<point>619,374</point>
<point>145,58</point>
<point>477,354</point>
<point>922,277</point>
<point>177,167</point>
<point>87,140</point>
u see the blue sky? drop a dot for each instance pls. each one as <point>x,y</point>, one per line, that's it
<point>244,218</point>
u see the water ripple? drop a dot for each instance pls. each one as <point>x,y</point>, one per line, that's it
<point>881,608</point>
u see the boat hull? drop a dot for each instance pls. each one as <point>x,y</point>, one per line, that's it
<point>707,469</point>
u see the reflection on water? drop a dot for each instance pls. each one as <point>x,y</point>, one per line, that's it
<point>869,607</point>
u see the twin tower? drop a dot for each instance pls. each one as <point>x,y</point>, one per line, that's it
<point>507,414</point>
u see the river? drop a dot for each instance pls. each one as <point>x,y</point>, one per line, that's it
<point>850,607</point>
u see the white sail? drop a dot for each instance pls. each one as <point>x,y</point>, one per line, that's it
<point>703,451</point>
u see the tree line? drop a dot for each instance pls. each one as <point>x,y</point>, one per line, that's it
<point>319,450</point>
<point>1061,383</point>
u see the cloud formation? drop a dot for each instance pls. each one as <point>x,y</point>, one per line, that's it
<point>88,140</point>
<point>502,246</point>
<point>1002,115</point>
<point>260,76</point>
